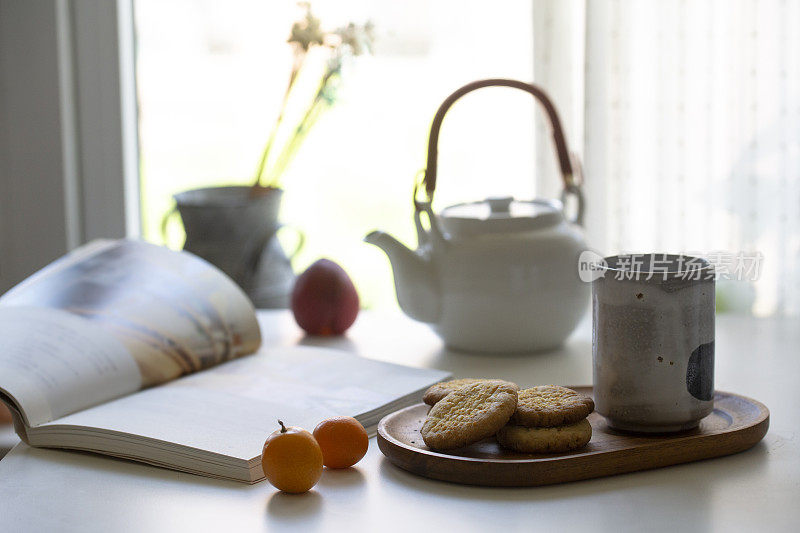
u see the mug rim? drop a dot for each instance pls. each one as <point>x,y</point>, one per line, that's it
<point>699,264</point>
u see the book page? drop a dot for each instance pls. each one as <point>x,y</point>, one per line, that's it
<point>53,363</point>
<point>174,312</point>
<point>232,408</point>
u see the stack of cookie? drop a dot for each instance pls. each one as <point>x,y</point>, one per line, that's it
<point>543,419</point>
<point>548,419</point>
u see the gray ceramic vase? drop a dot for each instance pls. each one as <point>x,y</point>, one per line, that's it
<point>235,231</point>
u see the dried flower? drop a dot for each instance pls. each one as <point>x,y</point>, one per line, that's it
<point>348,41</point>
<point>358,38</point>
<point>308,31</point>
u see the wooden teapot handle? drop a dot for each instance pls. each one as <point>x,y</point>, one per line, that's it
<point>570,184</point>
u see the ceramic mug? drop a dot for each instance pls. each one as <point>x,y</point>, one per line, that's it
<point>653,341</point>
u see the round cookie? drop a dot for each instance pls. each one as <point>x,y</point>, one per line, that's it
<point>469,414</point>
<point>439,390</point>
<point>545,440</point>
<point>551,405</point>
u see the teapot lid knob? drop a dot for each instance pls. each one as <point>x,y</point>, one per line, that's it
<point>500,204</point>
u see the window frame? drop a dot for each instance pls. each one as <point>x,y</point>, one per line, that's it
<point>68,140</point>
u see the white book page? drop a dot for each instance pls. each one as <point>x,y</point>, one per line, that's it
<point>232,408</point>
<point>54,363</point>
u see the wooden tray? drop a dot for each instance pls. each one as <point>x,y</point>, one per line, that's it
<point>736,424</point>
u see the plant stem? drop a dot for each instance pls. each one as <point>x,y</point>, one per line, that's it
<point>318,104</point>
<point>288,152</point>
<point>298,64</point>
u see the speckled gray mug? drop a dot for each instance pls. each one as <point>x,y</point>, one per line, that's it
<point>653,341</point>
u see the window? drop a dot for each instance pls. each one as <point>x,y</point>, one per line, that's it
<point>210,81</point>
<point>685,115</point>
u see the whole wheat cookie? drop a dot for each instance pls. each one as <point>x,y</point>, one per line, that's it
<point>551,405</point>
<point>439,390</point>
<point>545,440</point>
<point>469,414</point>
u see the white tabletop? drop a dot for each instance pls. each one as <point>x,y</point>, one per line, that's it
<point>49,490</point>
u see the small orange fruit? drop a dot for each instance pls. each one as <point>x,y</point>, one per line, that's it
<point>343,440</point>
<point>292,459</point>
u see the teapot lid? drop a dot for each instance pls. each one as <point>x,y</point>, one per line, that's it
<point>500,215</point>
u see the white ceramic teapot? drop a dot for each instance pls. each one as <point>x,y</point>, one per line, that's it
<point>497,275</point>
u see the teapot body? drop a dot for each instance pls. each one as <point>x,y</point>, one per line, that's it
<point>497,275</point>
<point>516,292</point>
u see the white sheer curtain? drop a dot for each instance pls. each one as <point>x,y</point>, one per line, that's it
<point>687,115</point>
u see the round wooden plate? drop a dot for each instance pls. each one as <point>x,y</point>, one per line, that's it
<point>736,424</point>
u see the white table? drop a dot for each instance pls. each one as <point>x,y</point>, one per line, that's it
<point>757,490</point>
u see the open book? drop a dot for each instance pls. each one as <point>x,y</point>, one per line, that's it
<point>129,349</point>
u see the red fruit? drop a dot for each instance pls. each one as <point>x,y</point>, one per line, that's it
<point>324,300</point>
<point>5,414</point>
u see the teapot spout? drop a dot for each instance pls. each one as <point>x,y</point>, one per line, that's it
<point>414,278</point>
